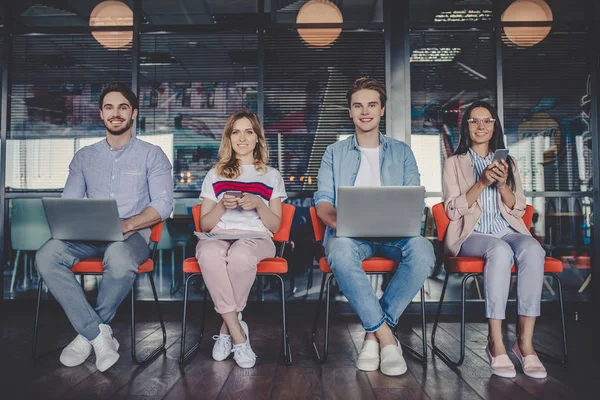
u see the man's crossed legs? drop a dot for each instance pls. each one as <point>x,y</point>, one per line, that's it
<point>121,261</point>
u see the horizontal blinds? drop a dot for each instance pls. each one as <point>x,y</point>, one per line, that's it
<point>305,97</point>
<point>56,82</point>
<point>189,85</point>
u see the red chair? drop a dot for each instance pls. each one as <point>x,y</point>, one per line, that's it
<point>375,265</point>
<point>93,266</point>
<point>473,266</point>
<point>267,267</point>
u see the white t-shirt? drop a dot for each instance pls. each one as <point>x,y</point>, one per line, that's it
<point>266,186</point>
<point>369,171</point>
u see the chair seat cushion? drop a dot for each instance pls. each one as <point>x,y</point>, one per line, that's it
<point>267,266</point>
<point>94,266</point>
<point>373,265</point>
<point>466,265</point>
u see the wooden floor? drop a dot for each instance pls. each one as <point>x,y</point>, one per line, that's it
<point>203,378</point>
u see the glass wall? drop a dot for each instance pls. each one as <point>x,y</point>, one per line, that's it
<point>200,61</point>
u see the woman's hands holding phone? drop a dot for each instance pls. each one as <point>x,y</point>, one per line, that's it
<point>229,201</point>
<point>500,173</point>
<point>249,201</point>
<point>496,172</point>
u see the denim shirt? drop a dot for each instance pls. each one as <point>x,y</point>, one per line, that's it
<point>341,162</point>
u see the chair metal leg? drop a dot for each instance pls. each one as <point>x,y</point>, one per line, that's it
<point>25,266</point>
<point>436,350</point>
<point>36,321</point>
<point>162,346</point>
<point>287,350</point>
<point>325,284</point>
<point>563,359</point>
<point>419,356</point>
<point>173,268</point>
<point>309,284</point>
<point>185,356</point>
<point>14,273</point>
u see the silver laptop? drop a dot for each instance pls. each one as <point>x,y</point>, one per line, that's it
<point>382,211</point>
<point>83,219</point>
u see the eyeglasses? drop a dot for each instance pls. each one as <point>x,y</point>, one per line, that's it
<point>485,121</point>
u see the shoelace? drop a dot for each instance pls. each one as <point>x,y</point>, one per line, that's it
<point>80,344</point>
<point>223,341</point>
<point>244,351</point>
<point>104,348</point>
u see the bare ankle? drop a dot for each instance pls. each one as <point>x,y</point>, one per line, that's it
<point>371,336</point>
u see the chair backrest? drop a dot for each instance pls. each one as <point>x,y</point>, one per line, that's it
<point>29,228</point>
<point>156,232</point>
<point>317,224</point>
<point>166,241</point>
<point>442,221</point>
<point>282,235</point>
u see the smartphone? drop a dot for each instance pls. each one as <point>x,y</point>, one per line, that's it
<point>234,193</point>
<point>500,154</point>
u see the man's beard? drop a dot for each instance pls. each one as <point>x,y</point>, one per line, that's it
<point>118,131</point>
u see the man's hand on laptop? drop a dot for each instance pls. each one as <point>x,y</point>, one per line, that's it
<point>328,214</point>
<point>126,226</point>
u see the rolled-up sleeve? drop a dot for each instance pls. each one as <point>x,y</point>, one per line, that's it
<point>455,202</point>
<point>326,187</point>
<point>75,187</point>
<point>518,209</point>
<point>160,183</point>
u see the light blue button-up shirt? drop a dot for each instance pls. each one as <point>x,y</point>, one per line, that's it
<point>491,220</point>
<point>138,175</point>
<point>341,162</point>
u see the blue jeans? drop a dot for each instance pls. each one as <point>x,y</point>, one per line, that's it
<point>415,257</point>
<point>121,261</point>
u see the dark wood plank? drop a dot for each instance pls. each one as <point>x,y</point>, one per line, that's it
<point>241,387</point>
<point>405,394</point>
<point>346,383</point>
<point>204,379</point>
<point>437,379</point>
<point>158,377</point>
<point>297,383</point>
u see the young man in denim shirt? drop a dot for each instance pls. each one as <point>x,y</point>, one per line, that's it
<point>369,158</point>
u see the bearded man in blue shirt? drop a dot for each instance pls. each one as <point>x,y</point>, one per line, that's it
<point>138,176</point>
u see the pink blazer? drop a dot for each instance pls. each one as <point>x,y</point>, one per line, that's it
<point>458,178</point>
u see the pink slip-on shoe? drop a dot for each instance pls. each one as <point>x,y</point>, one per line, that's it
<point>501,365</point>
<point>531,364</point>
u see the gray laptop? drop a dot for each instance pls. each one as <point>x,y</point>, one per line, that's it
<point>382,211</point>
<point>83,219</point>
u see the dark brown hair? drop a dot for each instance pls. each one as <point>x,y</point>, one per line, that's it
<point>367,83</point>
<point>124,90</point>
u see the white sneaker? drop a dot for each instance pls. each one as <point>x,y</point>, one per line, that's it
<point>222,348</point>
<point>368,358</point>
<point>106,348</point>
<point>76,352</point>
<point>242,353</point>
<point>392,362</point>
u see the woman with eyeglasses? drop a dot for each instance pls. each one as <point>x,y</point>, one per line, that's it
<point>485,203</point>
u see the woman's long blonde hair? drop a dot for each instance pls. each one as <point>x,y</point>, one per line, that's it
<point>228,165</point>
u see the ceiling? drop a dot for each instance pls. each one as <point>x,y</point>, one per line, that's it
<point>48,13</point>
